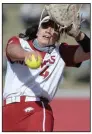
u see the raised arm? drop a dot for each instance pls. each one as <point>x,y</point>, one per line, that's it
<point>83,51</point>
<point>73,55</point>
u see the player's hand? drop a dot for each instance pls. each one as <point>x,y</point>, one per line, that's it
<point>28,55</point>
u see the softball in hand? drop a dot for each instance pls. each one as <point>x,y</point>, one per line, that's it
<point>33,63</point>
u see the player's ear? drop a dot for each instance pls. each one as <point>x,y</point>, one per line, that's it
<point>37,33</point>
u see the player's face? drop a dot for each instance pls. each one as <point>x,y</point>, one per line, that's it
<point>48,33</point>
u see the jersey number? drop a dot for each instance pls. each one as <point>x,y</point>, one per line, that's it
<point>44,73</point>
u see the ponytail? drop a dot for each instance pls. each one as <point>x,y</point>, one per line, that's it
<point>30,33</point>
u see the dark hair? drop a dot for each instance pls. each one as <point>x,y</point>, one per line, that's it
<point>30,32</point>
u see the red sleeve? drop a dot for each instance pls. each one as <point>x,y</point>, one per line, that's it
<point>14,41</point>
<point>67,53</point>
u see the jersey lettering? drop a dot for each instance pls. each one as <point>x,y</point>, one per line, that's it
<point>45,72</point>
<point>19,62</point>
<point>51,61</point>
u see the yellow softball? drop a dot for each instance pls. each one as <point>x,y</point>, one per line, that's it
<point>33,63</point>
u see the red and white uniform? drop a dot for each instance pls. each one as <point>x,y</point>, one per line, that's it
<point>35,83</point>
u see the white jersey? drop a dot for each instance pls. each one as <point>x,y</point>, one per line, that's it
<point>42,82</point>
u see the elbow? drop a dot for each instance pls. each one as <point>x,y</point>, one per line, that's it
<point>10,53</point>
<point>81,57</point>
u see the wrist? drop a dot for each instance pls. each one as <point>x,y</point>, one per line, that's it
<point>85,43</point>
<point>80,36</point>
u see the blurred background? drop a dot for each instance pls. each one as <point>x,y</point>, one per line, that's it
<point>73,95</point>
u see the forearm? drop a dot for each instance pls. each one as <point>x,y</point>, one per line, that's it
<point>83,51</point>
<point>15,52</point>
<point>80,55</point>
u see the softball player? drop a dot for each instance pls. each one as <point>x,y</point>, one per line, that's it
<point>28,92</point>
